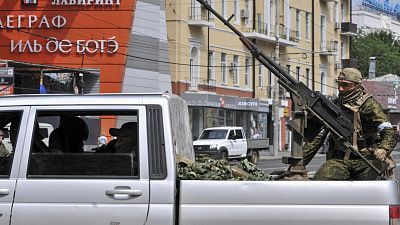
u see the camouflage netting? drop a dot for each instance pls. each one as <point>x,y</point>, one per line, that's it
<point>206,168</point>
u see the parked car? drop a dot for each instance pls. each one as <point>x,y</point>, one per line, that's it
<point>228,143</point>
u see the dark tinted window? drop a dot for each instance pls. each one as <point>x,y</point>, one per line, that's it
<point>10,127</point>
<point>239,134</point>
<point>85,144</point>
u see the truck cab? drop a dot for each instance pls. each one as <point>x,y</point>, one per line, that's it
<point>222,142</point>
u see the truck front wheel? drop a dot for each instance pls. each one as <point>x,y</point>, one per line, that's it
<point>223,155</point>
<point>254,157</point>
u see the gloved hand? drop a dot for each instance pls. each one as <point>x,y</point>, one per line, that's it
<point>380,154</point>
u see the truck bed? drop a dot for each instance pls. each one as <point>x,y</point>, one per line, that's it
<point>261,144</point>
<point>286,202</point>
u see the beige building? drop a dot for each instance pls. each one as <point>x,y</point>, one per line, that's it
<point>221,81</point>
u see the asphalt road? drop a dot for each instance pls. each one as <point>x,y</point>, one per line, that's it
<point>276,164</point>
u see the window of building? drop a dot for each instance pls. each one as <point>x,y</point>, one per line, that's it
<point>323,29</point>
<point>74,151</point>
<point>260,75</point>
<point>247,7</point>
<point>223,68</point>
<point>288,69</point>
<point>344,13</point>
<point>308,81</point>
<point>270,84</point>
<point>323,83</point>
<point>223,8</point>
<point>298,24</point>
<point>247,72</point>
<point>211,66</point>
<point>271,15</point>
<point>236,11</point>
<point>336,17</point>
<point>298,73</point>
<point>236,70</point>
<point>343,50</point>
<point>308,25</point>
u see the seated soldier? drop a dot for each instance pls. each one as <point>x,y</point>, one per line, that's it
<point>126,141</point>
<point>70,135</point>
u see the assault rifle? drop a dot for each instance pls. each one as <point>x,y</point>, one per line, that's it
<point>305,101</point>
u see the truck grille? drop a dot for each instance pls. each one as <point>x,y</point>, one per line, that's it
<point>201,147</point>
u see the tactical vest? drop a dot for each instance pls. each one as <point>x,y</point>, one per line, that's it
<point>361,138</point>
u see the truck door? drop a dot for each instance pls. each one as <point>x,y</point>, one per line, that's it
<point>10,155</point>
<point>241,144</point>
<point>73,180</point>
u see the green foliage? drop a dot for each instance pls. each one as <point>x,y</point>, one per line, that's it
<point>206,168</point>
<point>380,45</point>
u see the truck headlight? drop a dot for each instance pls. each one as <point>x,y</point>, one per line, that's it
<point>214,146</point>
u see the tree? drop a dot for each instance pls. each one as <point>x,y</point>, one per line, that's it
<point>381,45</point>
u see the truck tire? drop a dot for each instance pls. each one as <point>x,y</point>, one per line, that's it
<point>254,156</point>
<point>223,155</point>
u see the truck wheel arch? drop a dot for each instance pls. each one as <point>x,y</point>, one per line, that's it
<point>223,154</point>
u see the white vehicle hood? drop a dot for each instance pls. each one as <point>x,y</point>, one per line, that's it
<point>207,141</point>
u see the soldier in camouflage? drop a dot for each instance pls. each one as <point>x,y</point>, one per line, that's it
<point>373,136</point>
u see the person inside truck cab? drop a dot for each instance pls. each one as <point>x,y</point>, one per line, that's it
<point>374,136</point>
<point>126,141</point>
<point>69,136</point>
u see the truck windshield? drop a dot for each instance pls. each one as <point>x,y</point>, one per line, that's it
<point>213,134</point>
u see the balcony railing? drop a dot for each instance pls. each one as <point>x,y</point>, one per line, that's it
<point>262,32</point>
<point>348,29</point>
<point>259,29</point>
<point>288,36</point>
<point>328,48</point>
<point>199,16</point>
<point>200,84</point>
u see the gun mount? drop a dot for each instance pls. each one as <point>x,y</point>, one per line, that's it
<point>306,104</point>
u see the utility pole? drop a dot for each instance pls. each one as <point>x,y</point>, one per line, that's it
<point>276,85</point>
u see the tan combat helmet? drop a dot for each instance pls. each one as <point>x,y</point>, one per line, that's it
<point>350,75</point>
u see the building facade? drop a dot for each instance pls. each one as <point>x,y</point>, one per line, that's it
<point>217,75</point>
<point>85,46</point>
<point>376,15</point>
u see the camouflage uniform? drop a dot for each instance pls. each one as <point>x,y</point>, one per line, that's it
<point>374,133</point>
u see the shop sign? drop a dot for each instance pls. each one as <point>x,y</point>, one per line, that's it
<point>248,104</point>
<point>52,44</point>
<point>6,76</point>
<point>227,102</point>
<point>6,89</point>
<point>86,2</point>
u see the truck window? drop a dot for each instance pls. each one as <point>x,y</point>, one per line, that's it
<point>239,134</point>
<point>10,126</point>
<point>85,144</point>
<point>213,134</point>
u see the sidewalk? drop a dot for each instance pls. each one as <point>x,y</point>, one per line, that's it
<point>265,155</point>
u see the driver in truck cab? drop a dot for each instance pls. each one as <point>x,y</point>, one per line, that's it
<point>373,137</point>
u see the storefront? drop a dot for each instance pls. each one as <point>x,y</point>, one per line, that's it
<point>211,110</point>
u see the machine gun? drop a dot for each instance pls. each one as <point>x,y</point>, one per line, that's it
<point>305,101</point>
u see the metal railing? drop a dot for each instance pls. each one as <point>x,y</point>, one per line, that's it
<point>328,46</point>
<point>199,13</point>
<point>261,28</point>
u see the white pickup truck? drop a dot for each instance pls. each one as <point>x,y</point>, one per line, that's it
<point>229,143</point>
<point>137,183</point>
